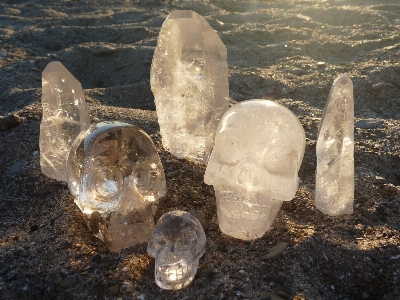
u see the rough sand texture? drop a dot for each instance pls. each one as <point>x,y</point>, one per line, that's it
<point>273,50</point>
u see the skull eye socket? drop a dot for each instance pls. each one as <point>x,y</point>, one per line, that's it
<point>186,241</point>
<point>182,244</point>
<point>229,149</point>
<point>280,159</point>
<point>148,178</point>
<point>158,243</point>
<point>103,184</point>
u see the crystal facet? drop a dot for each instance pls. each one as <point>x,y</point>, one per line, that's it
<point>65,115</point>
<point>334,188</point>
<point>259,147</point>
<point>177,244</point>
<point>116,177</point>
<point>189,80</point>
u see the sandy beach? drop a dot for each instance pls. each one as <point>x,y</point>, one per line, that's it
<point>288,51</point>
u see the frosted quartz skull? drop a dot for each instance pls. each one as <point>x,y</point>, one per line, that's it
<point>116,177</point>
<point>177,244</point>
<point>259,147</point>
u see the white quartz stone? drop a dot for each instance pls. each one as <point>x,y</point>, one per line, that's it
<point>177,244</point>
<point>189,80</point>
<point>65,115</point>
<point>117,178</point>
<point>334,188</point>
<point>259,147</point>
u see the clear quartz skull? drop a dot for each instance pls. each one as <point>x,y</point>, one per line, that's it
<point>177,244</point>
<point>259,147</point>
<point>116,177</point>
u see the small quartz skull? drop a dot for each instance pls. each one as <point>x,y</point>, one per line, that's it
<point>177,244</point>
<point>259,147</point>
<point>117,177</point>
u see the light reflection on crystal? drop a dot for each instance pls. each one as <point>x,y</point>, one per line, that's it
<point>174,274</point>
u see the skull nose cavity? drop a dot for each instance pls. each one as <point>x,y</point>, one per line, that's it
<point>169,248</point>
<point>248,175</point>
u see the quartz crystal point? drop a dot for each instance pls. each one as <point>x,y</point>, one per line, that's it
<point>334,188</point>
<point>259,147</point>
<point>177,244</point>
<point>189,80</point>
<point>65,115</point>
<point>116,177</point>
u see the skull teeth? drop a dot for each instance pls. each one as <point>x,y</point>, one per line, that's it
<point>233,205</point>
<point>175,275</point>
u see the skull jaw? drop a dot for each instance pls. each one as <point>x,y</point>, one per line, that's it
<point>176,275</point>
<point>239,228</point>
<point>245,227</point>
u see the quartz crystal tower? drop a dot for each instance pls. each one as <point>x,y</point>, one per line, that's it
<point>189,80</point>
<point>64,116</point>
<point>116,177</point>
<point>259,147</point>
<point>334,188</point>
<point>177,244</point>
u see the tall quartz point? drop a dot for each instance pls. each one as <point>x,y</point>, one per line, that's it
<point>259,147</point>
<point>334,189</point>
<point>117,178</point>
<point>189,80</point>
<point>65,115</point>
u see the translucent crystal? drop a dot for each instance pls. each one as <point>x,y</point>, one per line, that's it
<point>65,115</point>
<point>334,188</point>
<point>177,244</point>
<point>116,177</point>
<point>189,80</point>
<point>259,147</point>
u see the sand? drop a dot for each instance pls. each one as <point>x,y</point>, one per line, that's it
<point>288,51</point>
